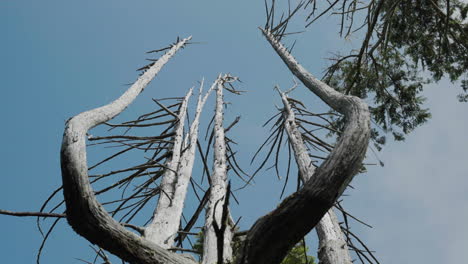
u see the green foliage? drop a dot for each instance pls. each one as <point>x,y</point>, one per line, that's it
<point>409,37</point>
<point>298,255</point>
<point>463,97</point>
<point>424,33</point>
<point>198,245</point>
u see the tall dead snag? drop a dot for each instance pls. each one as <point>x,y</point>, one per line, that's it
<point>161,231</point>
<point>270,238</point>
<point>333,248</point>
<point>84,213</point>
<point>218,230</point>
<point>167,215</point>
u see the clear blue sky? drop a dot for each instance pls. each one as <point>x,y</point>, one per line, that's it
<point>58,58</point>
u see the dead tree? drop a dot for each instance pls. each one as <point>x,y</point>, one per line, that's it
<point>168,172</point>
<point>84,213</point>
<point>294,217</point>
<point>302,211</point>
<point>269,239</point>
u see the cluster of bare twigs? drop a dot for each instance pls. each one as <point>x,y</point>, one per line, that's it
<point>309,124</point>
<point>349,12</point>
<point>386,66</point>
<point>234,166</point>
<point>142,176</point>
<point>153,61</point>
<point>355,243</point>
<point>100,254</point>
<point>231,153</point>
<point>137,185</point>
<point>278,28</point>
<point>312,127</point>
<point>306,123</point>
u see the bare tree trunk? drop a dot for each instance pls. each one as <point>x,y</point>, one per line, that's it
<point>217,230</point>
<point>161,230</point>
<point>270,238</point>
<point>333,248</point>
<point>166,220</point>
<point>84,213</point>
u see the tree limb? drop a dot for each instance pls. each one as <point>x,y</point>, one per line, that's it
<point>332,245</point>
<point>40,214</point>
<point>300,212</point>
<point>84,213</point>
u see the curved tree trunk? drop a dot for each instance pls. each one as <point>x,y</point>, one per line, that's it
<point>270,238</point>
<point>84,213</point>
<point>333,248</point>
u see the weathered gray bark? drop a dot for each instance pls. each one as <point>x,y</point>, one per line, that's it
<point>162,230</point>
<point>169,215</point>
<point>270,238</point>
<point>333,248</point>
<point>84,213</point>
<point>272,235</point>
<point>218,192</point>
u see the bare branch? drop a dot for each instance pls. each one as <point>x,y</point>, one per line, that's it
<point>40,214</point>
<point>84,213</point>
<point>300,212</point>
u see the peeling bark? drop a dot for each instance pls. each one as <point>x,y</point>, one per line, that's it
<point>270,238</point>
<point>218,194</point>
<point>84,213</point>
<point>333,248</point>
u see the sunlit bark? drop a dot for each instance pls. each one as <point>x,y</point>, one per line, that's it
<point>333,248</point>
<point>168,217</point>
<point>161,230</point>
<point>84,213</point>
<point>270,238</point>
<point>217,243</point>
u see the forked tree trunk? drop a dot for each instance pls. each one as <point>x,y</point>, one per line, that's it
<point>270,238</point>
<point>166,220</point>
<point>84,213</point>
<point>333,248</point>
